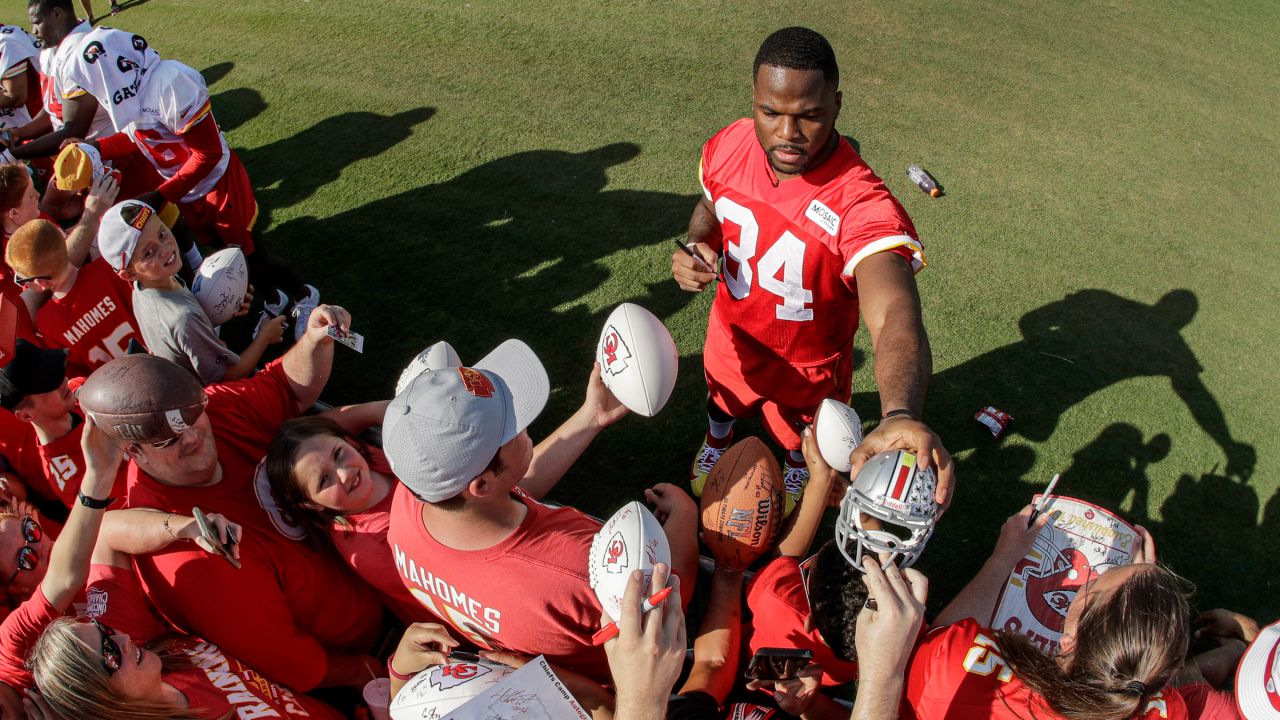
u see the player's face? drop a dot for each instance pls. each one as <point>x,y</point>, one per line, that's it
<point>46,25</point>
<point>334,474</point>
<point>192,461</point>
<point>795,115</point>
<point>156,256</point>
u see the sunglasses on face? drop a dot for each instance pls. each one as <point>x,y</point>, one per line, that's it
<point>25,281</point>
<point>111,654</point>
<point>28,558</point>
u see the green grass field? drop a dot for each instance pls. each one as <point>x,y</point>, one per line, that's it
<point>1100,266</point>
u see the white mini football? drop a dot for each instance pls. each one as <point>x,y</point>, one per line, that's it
<point>440,689</point>
<point>632,539</point>
<point>638,360</point>
<point>220,284</point>
<point>440,355</point>
<point>839,431</point>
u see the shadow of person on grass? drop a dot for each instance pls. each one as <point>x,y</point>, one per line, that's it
<point>510,248</point>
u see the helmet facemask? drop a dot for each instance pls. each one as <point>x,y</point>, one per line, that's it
<point>889,509</point>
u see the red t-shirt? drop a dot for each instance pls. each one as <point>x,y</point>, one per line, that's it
<point>21,448</point>
<point>528,594</point>
<point>18,634</point>
<point>779,609</point>
<point>216,683</point>
<point>62,462</point>
<point>957,673</point>
<point>286,606</point>
<point>1206,703</point>
<point>362,542</point>
<point>789,249</point>
<point>94,320</point>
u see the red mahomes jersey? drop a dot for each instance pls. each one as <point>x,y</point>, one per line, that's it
<point>957,673</point>
<point>94,321</point>
<point>790,248</point>
<point>63,464</point>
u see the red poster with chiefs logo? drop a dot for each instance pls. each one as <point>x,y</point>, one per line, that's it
<point>1080,543</point>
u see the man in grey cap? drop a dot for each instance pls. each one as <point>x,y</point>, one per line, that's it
<point>505,571</point>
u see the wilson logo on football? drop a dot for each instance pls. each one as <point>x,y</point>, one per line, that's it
<point>614,353</point>
<point>615,558</point>
<point>475,382</point>
<point>444,677</point>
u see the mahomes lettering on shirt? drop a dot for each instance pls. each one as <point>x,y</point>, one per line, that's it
<point>488,618</point>
<point>105,307</point>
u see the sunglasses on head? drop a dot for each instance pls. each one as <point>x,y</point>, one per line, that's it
<point>25,281</point>
<point>28,558</point>
<point>111,654</point>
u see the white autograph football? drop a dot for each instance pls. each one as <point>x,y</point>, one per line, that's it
<point>638,359</point>
<point>839,432</point>
<point>440,355</point>
<point>441,689</point>
<point>632,539</point>
<point>220,284</point>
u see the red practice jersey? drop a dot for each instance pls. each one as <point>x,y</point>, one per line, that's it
<point>789,249</point>
<point>94,321</point>
<point>957,673</point>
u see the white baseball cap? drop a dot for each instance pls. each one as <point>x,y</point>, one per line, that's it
<point>1258,677</point>
<point>448,424</point>
<point>118,238</point>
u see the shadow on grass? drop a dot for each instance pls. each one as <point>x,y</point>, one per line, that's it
<point>510,248</point>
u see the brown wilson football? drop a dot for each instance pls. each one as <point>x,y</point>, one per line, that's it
<point>142,398</point>
<point>742,504</point>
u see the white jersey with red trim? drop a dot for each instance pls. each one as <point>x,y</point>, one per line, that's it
<point>111,65</point>
<point>18,55</point>
<point>51,93</point>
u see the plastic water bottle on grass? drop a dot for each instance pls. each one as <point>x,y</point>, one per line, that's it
<point>924,180</point>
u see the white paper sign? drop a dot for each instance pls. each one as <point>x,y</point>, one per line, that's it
<point>531,693</point>
<point>1082,542</point>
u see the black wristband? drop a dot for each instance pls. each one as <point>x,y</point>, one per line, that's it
<point>899,412</point>
<point>93,504</point>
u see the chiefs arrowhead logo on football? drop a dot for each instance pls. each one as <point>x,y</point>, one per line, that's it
<point>615,558</point>
<point>449,676</point>
<point>614,353</point>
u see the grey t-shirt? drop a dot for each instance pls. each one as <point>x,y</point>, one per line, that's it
<point>175,327</point>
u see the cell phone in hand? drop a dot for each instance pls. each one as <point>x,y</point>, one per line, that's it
<point>778,663</point>
<point>210,534</point>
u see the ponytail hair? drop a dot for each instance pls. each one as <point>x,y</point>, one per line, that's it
<point>1129,644</point>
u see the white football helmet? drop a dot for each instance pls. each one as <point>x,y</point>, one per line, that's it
<point>889,508</point>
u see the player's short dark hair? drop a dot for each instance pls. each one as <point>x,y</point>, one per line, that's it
<point>837,593</point>
<point>798,48</point>
<point>45,6</point>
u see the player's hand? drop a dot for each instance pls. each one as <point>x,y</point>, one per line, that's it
<point>1016,538</point>
<point>648,653</point>
<point>1144,550</point>
<point>102,195</point>
<point>421,646</point>
<point>793,696</point>
<point>692,274</point>
<point>903,433</point>
<point>323,317</point>
<point>1222,623</point>
<point>670,501</point>
<point>888,626</point>
<point>601,407</point>
<point>272,329</point>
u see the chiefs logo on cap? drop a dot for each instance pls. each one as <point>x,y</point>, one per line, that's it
<point>141,221</point>
<point>476,383</point>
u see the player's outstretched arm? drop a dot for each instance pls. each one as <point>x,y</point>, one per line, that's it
<point>77,114</point>
<point>978,599</point>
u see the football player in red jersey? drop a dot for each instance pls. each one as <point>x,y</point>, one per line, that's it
<point>806,239</point>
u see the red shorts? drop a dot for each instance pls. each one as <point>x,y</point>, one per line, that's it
<point>226,215</point>
<point>743,384</point>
